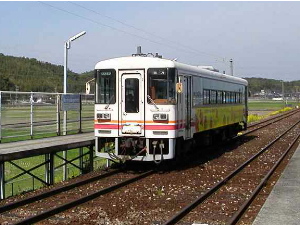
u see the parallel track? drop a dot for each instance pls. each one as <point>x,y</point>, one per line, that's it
<point>69,205</point>
<point>268,122</point>
<point>281,115</point>
<point>78,201</point>
<point>52,192</point>
<point>61,208</point>
<point>188,208</point>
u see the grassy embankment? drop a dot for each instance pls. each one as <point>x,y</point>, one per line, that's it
<point>271,107</point>
<point>255,117</point>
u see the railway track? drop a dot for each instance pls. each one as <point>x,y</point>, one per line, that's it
<point>279,116</point>
<point>55,191</point>
<point>268,122</point>
<point>70,204</point>
<point>230,180</point>
<point>57,209</point>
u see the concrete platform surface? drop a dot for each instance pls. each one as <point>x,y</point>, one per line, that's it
<point>283,205</point>
<point>22,149</point>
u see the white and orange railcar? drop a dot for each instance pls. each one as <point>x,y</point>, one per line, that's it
<point>148,108</point>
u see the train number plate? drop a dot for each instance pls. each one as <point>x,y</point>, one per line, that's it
<point>132,129</point>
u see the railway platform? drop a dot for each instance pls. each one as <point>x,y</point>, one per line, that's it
<point>49,147</point>
<point>29,148</point>
<point>283,204</point>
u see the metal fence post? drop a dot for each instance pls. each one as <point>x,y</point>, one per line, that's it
<point>80,114</point>
<point>58,115</point>
<point>2,180</point>
<point>31,115</point>
<point>0,116</point>
<point>49,168</point>
<point>91,158</point>
<point>81,160</point>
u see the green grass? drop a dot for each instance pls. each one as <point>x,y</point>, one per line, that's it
<point>21,114</point>
<point>255,117</point>
<point>270,105</point>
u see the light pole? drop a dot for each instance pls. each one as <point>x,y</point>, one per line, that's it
<point>67,46</point>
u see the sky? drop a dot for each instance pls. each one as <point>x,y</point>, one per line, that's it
<point>262,38</point>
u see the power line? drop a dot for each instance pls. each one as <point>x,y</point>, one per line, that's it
<point>142,30</point>
<point>116,29</point>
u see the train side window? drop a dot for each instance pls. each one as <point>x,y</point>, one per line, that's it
<point>172,73</point>
<point>213,97</point>
<point>238,97</point>
<point>206,99</point>
<point>233,97</point>
<point>219,97</point>
<point>228,97</point>
<point>161,85</point>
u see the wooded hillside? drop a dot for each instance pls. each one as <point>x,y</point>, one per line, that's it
<point>27,74</point>
<point>271,85</point>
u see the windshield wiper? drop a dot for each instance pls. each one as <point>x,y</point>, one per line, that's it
<point>111,98</point>
<point>151,100</point>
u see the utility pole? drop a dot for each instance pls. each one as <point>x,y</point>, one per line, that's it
<point>231,66</point>
<point>282,87</point>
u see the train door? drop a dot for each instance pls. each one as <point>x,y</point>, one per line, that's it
<point>131,93</point>
<point>187,89</point>
<point>184,106</point>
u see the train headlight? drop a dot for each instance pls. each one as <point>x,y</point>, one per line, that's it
<point>160,117</point>
<point>103,116</point>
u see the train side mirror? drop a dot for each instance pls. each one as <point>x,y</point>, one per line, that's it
<point>87,88</point>
<point>179,87</point>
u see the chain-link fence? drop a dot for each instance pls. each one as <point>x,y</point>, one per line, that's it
<point>27,115</point>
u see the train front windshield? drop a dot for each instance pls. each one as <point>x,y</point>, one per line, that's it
<point>161,85</point>
<point>105,86</point>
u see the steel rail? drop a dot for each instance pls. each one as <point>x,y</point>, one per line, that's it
<point>237,216</point>
<point>59,209</point>
<point>55,191</point>
<point>217,186</point>
<point>274,121</point>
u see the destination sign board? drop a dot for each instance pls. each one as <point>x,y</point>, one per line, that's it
<point>70,102</point>
<point>105,73</point>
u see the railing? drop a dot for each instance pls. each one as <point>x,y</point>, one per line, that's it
<point>28,115</point>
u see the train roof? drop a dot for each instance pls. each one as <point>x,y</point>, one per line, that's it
<point>138,62</point>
